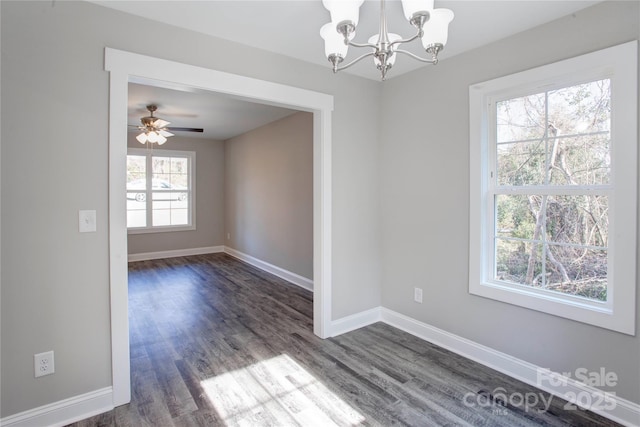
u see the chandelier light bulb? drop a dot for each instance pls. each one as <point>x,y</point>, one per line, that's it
<point>333,41</point>
<point>436,32</point>
<point>411,7</point>
<point>344,10</point>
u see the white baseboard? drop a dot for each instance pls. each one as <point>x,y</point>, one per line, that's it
<point>294,278</point>
<point>355,321</point>
<point>174,253</point>
<point>64,412</point>
<point>624,412</point>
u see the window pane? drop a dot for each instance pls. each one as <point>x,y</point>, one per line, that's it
<point>521,163</point>
<point>171,173</point>
<point>137,218</point>
<point>578,220</point>
<point>136,180</point>
<point>584,108</point>
<point>519,262</point>
<point>161,164</point>
<point>161,217</point>
<point>581,160</point>
<point>161,181</point>
<point>520,119</point>
<point>514,217</point>
<point>179,181</point>
<point>179,165</point>
<point>577,271</point>
<point>179,217</point>
<point>170,208</point>
<point>136,172</point>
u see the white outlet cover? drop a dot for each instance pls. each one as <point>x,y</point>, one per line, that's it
<point>417,295</point>
<point>43,364</point>
<point>87,221</point>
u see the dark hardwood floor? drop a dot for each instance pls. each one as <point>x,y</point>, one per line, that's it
<point>215,341</point>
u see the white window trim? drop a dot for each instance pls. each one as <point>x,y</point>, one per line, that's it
<point>619,63</point>
<point>191,155</point>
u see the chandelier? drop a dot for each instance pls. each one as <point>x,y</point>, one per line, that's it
<point>340,31</point>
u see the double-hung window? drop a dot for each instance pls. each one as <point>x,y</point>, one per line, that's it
<point>160,190</point>
<point>554,188</point>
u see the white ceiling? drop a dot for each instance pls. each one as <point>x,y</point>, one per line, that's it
<point>221,117</point>
<point>291,28</point>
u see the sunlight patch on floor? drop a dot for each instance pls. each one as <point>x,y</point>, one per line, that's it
<point>277,391</point>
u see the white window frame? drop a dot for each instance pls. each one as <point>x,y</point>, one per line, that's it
<point>618,63</point>
<point>191,198</point>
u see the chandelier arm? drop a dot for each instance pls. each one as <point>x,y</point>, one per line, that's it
<point>414,56</point>
<point>371,45</point>
<point>354,61</point>
<point>410,39</point>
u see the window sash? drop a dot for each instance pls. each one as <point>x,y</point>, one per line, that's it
<point>495,189</point>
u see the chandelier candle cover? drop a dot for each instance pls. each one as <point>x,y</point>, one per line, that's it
<point>432,27</point>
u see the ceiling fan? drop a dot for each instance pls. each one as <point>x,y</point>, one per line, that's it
<point>156,130</point>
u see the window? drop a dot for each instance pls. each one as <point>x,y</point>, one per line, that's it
<point>160,190</point>
<point>554,188</point>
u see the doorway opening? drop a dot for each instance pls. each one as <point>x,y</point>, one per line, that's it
<point>124,68</point>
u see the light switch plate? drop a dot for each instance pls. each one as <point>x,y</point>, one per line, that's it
<point>87,221</point>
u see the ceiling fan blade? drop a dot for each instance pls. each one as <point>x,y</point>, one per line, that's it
<point>175,129</point>
<point>159,123</point>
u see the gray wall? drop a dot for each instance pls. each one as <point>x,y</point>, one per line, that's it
<point>209,199</point>
<point>55,288</point>
<point>425,201</point>
<point>55,281</point>
<point>269,193</point>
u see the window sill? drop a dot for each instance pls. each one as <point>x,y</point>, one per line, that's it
<point>583,310</point>
<point>167,229</point>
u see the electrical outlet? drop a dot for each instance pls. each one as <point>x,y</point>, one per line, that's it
<point>43,364</point>
<point>417,295</point>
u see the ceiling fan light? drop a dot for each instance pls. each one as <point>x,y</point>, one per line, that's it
<point>411,7</point>
<point>436,31</point>
<point>142,138</point>
<point>343,10</point>
<point>333,41</point>
<point>161,139</point>
<point>152,137</point>
<point>165,133</point>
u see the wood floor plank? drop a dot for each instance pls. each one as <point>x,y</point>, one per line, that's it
<point>217,342</point>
